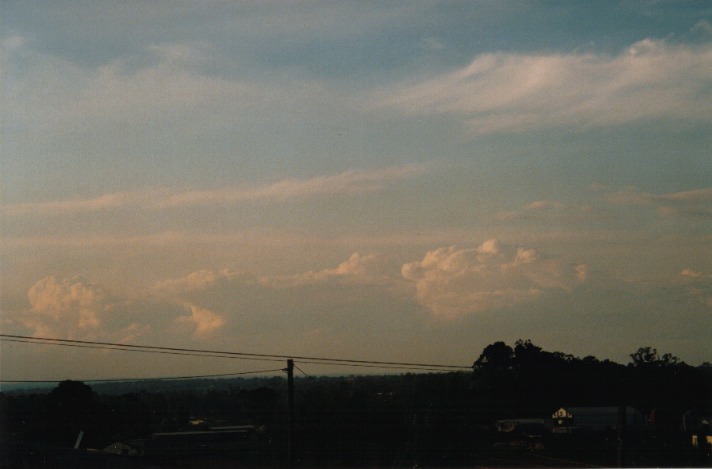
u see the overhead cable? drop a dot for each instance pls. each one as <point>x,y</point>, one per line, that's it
<point>227,354</point>
<point>166,378</point>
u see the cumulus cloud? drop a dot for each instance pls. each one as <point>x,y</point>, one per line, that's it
<point>698,286</point>
<point>204,321</point>
<point>243,292</point>
<point>68,303</point>
<point>76,308</point>
<point>453,282</point>
<point>359,269</point>
<point>687,272</point>
<point>504,92</point>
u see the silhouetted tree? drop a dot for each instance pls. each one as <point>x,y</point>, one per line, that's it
<point>497,356</point>
<point>71,408</point>
<point>648,356</point>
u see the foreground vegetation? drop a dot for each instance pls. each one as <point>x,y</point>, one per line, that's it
<point>390,420</point>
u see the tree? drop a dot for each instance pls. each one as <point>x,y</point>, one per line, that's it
<point>71,408</point>
<point>649,357</point>
<point>496,356</point>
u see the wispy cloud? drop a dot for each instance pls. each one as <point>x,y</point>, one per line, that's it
<point>504,92</point>
<point>694,203</point>
<point>348,182</point>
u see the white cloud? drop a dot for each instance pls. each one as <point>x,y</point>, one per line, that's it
<point>58,95</point>
<point>76,308</point>
<point>194,281</point>
<point>687,272</point>
<point>453,282</point>
<point>538,205</point>
<point>693,203</point>
<point>226,290</point>
<point>203,320</point>
<point>702,28</point>
<point>348,182</point>
<point>369,269</point>
<point>698,286</point>
<point>505,92</point>
<point>551,211</point>
<point>156,97</point>
<point>116,200</point>
<point>362,300</point>
<point>72,303</point>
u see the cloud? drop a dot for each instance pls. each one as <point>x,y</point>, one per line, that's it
<point>72,302</point>
<point>507,92</point>
<point>245,293</point>
<point>453,282</point>
<point>367,303</point>
<point>690,273</point>
<point>158,95</point>
<point>204,321</point>
<point>162,81</point>
<point>543,205</point>
<point>693,203</point>
<point>117,200</point>
<point>347,183</point>
<point>11,44</point>
<point>698,287</point>
<point>194,281</point>
<point>359,269</point>
<point>703,28</point>
<point>551,211</point>
<point>76,308</point>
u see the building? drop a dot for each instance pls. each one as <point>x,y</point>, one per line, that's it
<point>596,419</point>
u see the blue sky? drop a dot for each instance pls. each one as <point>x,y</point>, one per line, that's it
<point>406,181</point>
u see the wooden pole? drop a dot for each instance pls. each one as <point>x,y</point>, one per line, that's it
<point>290,390</point>
<point>622,423</point>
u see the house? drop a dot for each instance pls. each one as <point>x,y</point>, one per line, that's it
<point>596,419</point>
<point>243,443</point>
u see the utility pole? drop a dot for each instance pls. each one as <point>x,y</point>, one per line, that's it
<point>622,424</point>
<point>290,421</point>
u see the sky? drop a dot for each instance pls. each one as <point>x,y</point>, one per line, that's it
<point>393,181</point>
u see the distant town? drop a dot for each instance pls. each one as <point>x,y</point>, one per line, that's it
<point>519,406</point>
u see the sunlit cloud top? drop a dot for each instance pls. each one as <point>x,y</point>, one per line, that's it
<point>401,181</point>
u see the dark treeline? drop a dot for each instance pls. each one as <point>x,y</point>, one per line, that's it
<point>525,379</point>
<point>386,420</point>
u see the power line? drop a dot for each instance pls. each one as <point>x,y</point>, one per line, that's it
<point>119,347</point>
<point>306,375</point>
<point>390,367</point>
<point>228,354</point>
<point>167,378</point>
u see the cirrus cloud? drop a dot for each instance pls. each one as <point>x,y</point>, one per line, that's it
<point>509,92</point>
<point>348,182</point>
<point>695,203</point>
